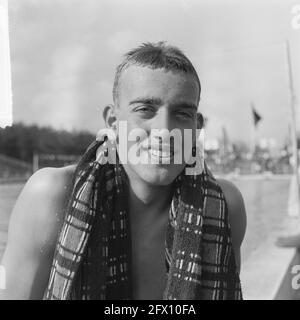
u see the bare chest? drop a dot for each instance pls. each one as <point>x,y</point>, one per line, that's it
<point>148,260</point>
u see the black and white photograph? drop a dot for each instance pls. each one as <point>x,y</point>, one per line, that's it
<point>150,150</point>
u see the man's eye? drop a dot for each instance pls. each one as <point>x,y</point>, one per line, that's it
<point>144,109</point>
<point>184,114</point>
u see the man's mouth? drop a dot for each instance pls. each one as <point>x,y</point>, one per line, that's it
<point>160,154</point>
<point>163,152</point>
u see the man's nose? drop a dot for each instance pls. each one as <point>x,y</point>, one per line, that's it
<point>161,127</point>
<point>162,120</point>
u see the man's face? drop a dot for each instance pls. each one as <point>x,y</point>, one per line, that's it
<point>157,99</point>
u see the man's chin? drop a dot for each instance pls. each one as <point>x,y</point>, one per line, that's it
<point>156,174</point>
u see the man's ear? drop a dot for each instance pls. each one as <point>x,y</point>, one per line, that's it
<point>200,120</point>
<point>109,116</point>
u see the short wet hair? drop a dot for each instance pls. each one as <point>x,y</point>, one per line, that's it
<point>156,56</point>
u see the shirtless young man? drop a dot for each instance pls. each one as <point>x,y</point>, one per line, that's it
<point>146,97</point>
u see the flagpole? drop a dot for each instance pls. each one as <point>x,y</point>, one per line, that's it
<point>256,119</point>
<point>293,121</point>
<point>253,142</point>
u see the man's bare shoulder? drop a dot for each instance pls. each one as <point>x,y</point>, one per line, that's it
<point>34,227</point>
<point>41,203</point>
<point>232,194</point>
<point>52,183</point>
<point>236,210</point>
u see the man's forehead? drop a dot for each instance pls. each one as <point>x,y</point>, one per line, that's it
<point>145,78</point>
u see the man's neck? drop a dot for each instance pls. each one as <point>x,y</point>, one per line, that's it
<point>148,199</point>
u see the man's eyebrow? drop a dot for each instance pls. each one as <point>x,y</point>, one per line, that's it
<point>185,105</point>
<point>158,101</point>
<point>146,100</point>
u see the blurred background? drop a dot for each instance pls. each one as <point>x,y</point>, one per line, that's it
<point>63,58</point>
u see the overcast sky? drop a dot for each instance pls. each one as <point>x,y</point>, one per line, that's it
<point>64,54</point>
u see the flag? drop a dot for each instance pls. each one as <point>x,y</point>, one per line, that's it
<point>202,120</point>
<point>256,116</point>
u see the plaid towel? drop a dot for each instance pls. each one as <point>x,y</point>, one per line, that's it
<point>92,259</point>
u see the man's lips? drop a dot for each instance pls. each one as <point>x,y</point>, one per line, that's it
<point>162,151</point>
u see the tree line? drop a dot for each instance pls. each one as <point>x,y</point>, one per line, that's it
<point>21,141</point>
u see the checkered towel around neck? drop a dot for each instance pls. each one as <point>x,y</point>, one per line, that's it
<point>92,259</point>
